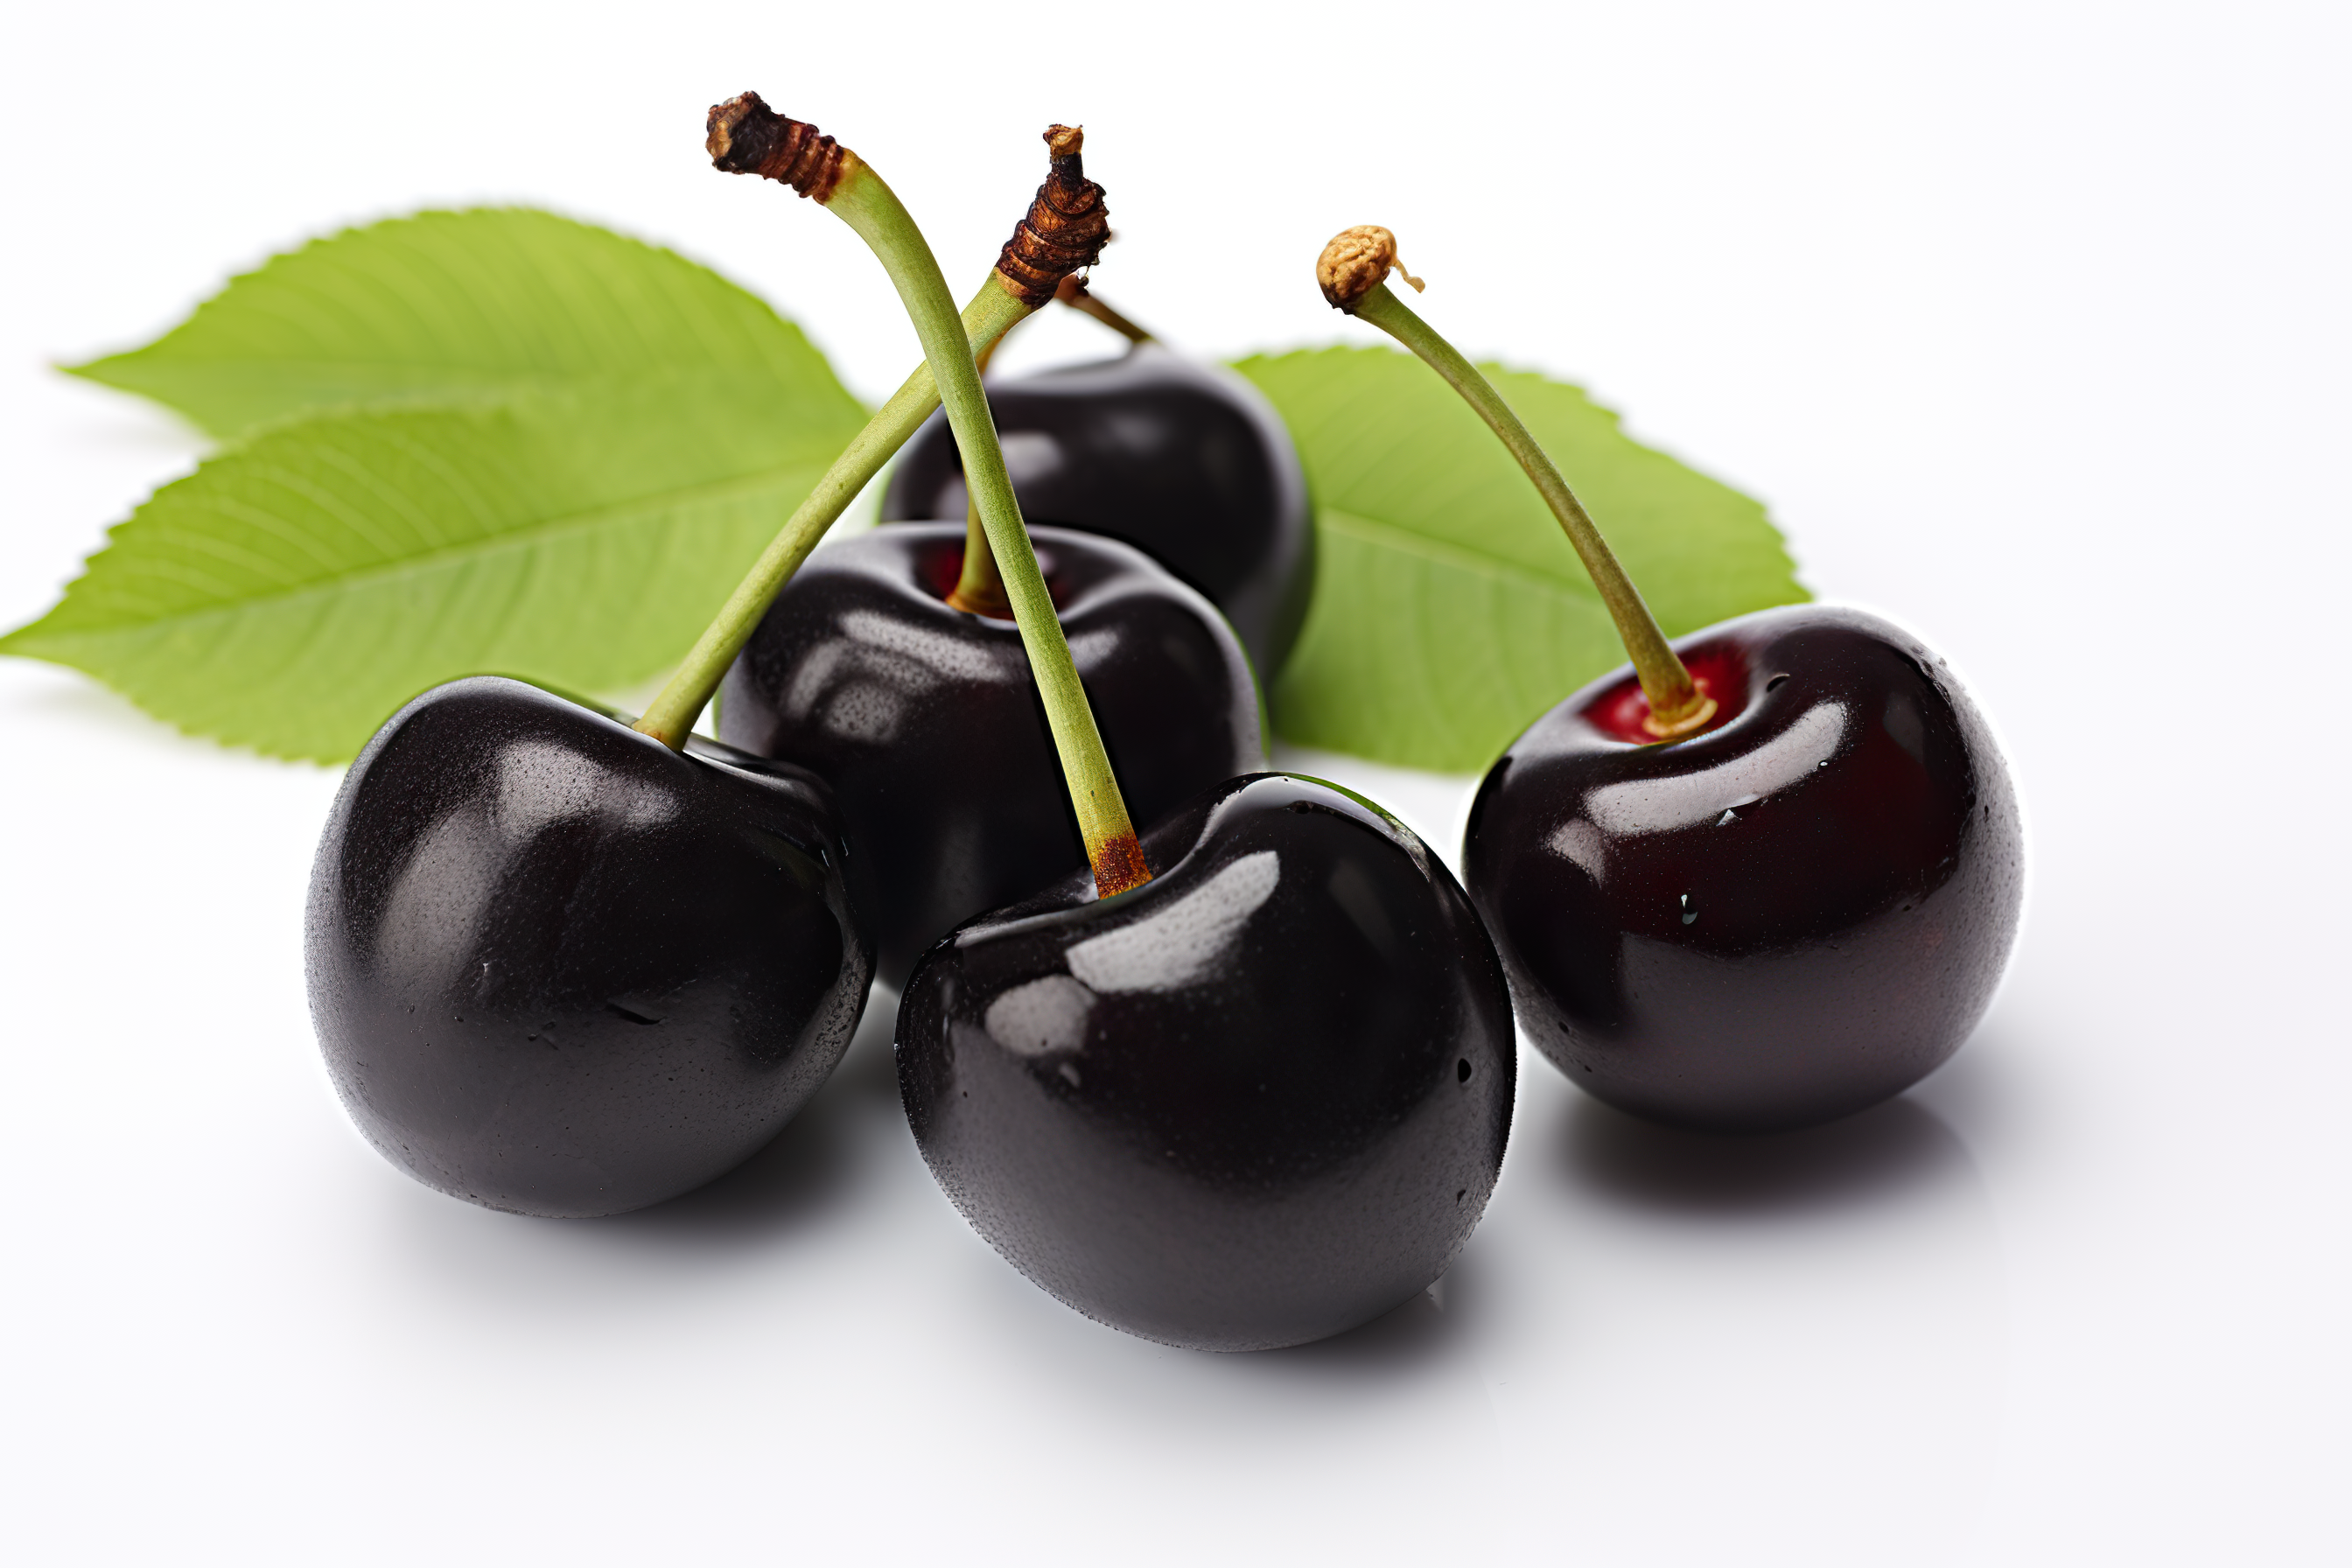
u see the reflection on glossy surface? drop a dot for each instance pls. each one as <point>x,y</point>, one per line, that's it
<point>1715,796</point>
<point>1185,461</point>
<point>1783,919</point>
<point>558,969</point>
<point>925,722</point>
<point>1218,1111</point>
<point>1181,942</point>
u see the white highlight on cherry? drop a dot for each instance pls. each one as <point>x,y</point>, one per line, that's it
<point>1175,945</point>
<point>1669,805</point>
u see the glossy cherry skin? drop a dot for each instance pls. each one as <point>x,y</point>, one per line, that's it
<point>926,723</point>
<point>1791,916</point>
<point>1187,462</point>
<point>1258,1101</point>
<point>558,969</point>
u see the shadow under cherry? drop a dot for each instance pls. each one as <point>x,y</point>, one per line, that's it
<point>808,1170</point>
<point>1409,1338</point>
<point>1633,1163</point>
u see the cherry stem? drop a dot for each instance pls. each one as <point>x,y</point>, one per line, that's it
<point>1677,706</point>
<point>1075,293</point>
<point>994,312</point>
<point>1063,231</point>
<point>979,587</point>
<point>863,201</point>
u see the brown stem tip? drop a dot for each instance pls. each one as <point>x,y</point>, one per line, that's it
<point>1357,262</point>
<point>1065,228</point>
<point>746,137</point>
<point>1118,866</point>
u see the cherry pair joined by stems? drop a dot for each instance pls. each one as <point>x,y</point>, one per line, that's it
<point>1242,1087</point>
<point>889,666</point>
<point>1767,876</point>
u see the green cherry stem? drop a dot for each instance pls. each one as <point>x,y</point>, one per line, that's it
<point>1015,288</point>
<point>874,211</point>
<point>1353,271</point>
<point>854,192</point>
<point>671,716</point>
<point>979,587</point>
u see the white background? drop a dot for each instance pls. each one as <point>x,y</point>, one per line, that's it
<point>2027,320</point>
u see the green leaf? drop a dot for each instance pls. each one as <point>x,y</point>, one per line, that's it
<point>293,592</point>
<point>450,305</point>
<point>1449,610</point>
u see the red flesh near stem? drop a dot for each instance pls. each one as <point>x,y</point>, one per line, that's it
<point>1719,672</point>
<point>943,569</point>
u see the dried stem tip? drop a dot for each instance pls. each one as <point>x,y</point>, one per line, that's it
<point>746,137</point>
<point>1119,866</point>
<point>1064,229</point>
<point>1357,262</point>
